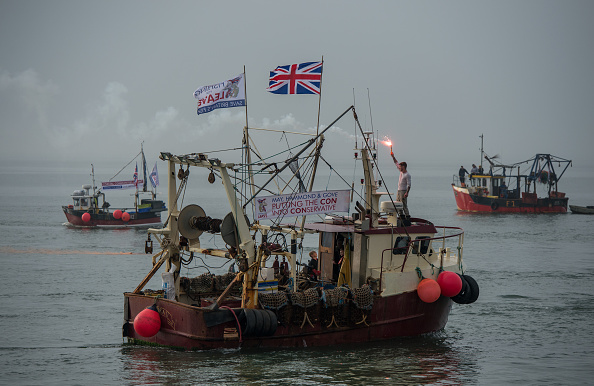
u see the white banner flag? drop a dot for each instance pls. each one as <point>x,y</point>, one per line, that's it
<point>120,184</point>
<point>301,204</point>
<point>230,93</point>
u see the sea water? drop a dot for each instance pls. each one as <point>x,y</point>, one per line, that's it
<point>61,309</point>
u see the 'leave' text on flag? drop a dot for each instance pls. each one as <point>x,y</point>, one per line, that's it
<point>229,93</point>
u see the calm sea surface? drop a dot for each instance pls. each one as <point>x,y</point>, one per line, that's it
<point>61,306</point>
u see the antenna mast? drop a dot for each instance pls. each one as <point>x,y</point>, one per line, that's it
<point>481,137</point>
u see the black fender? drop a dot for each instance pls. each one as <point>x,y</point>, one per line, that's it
<point>474,289</point>
<point>273,323</point>
<point>464,294</point>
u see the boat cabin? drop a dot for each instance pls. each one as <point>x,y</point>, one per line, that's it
<point>83,200</point>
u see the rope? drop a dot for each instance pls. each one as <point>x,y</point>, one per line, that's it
<point>329,176</point>
<point>237,321</point>
<point>126,165</point>
<point>419,273</point>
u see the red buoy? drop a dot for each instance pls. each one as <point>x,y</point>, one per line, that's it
<point>86,217</point>
<point>125,216</point>
<point>117,214</point>
<point>450,283</point>
<point>148,322</point>
<point>428,290</point>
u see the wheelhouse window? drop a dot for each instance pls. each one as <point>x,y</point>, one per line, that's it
<point>400,245</point>
<point>327,238</point>
<point>424,244</point>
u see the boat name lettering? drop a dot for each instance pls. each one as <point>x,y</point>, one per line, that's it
<point>167,315</point>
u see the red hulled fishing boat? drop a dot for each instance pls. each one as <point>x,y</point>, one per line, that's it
<point>510,189</point>
<point>379,274</point>
<point>90,209</point>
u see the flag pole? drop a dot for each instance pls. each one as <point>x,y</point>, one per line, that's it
<point>246,140</point>
<point>320,99</point>
<point>318,141</point>
<point>245,94</point>
<point>318,126</point>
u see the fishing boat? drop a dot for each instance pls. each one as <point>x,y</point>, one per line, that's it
<point>380,274</point>
<point>582,209</point>
<point>510,189</point>
<point>90,209</point>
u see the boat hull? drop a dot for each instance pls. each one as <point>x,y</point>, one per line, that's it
<point>106,219</point>
<point>474,203</point>
<point>185,326</point>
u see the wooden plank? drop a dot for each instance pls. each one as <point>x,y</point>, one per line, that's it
<point>152,272</point>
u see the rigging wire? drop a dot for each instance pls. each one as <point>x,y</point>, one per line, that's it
<point>126,165</point>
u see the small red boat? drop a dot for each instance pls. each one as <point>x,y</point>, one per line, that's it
<point>89,208</point>
<point>503,189</point>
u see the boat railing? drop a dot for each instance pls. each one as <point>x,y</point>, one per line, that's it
<point>410,248</point>
<point>472,180</point>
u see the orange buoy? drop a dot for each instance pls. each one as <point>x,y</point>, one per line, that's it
<point>450,283</point>
<point>125,216</point>
<point>148,322</point>
<point>428,290</point>
<point>117,214</point>
<point>86,217</point>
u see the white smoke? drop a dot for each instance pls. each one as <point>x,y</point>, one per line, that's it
<point>34,95</point>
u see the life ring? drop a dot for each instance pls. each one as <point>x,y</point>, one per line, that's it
<point>494,206</point>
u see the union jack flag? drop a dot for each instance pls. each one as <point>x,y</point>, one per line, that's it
<point>304,78</point>
<point>136,176</point>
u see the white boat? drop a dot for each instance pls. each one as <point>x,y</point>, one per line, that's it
<point>581,209</point>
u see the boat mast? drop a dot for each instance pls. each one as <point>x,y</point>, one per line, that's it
<point>481,137</point>
<point>93,178</point>
<point>144,181</point>
<point>319,141</point>
<point>246,142</point>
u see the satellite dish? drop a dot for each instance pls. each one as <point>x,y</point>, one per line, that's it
<point>228,230</point>
<point>184,223</point>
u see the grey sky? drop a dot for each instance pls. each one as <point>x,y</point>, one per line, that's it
<point>87,81</point>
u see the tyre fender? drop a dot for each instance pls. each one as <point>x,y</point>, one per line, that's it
<point>474,289</point>
<point>464,294</point>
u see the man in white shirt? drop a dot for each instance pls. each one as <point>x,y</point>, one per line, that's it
<point>403,184</point>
